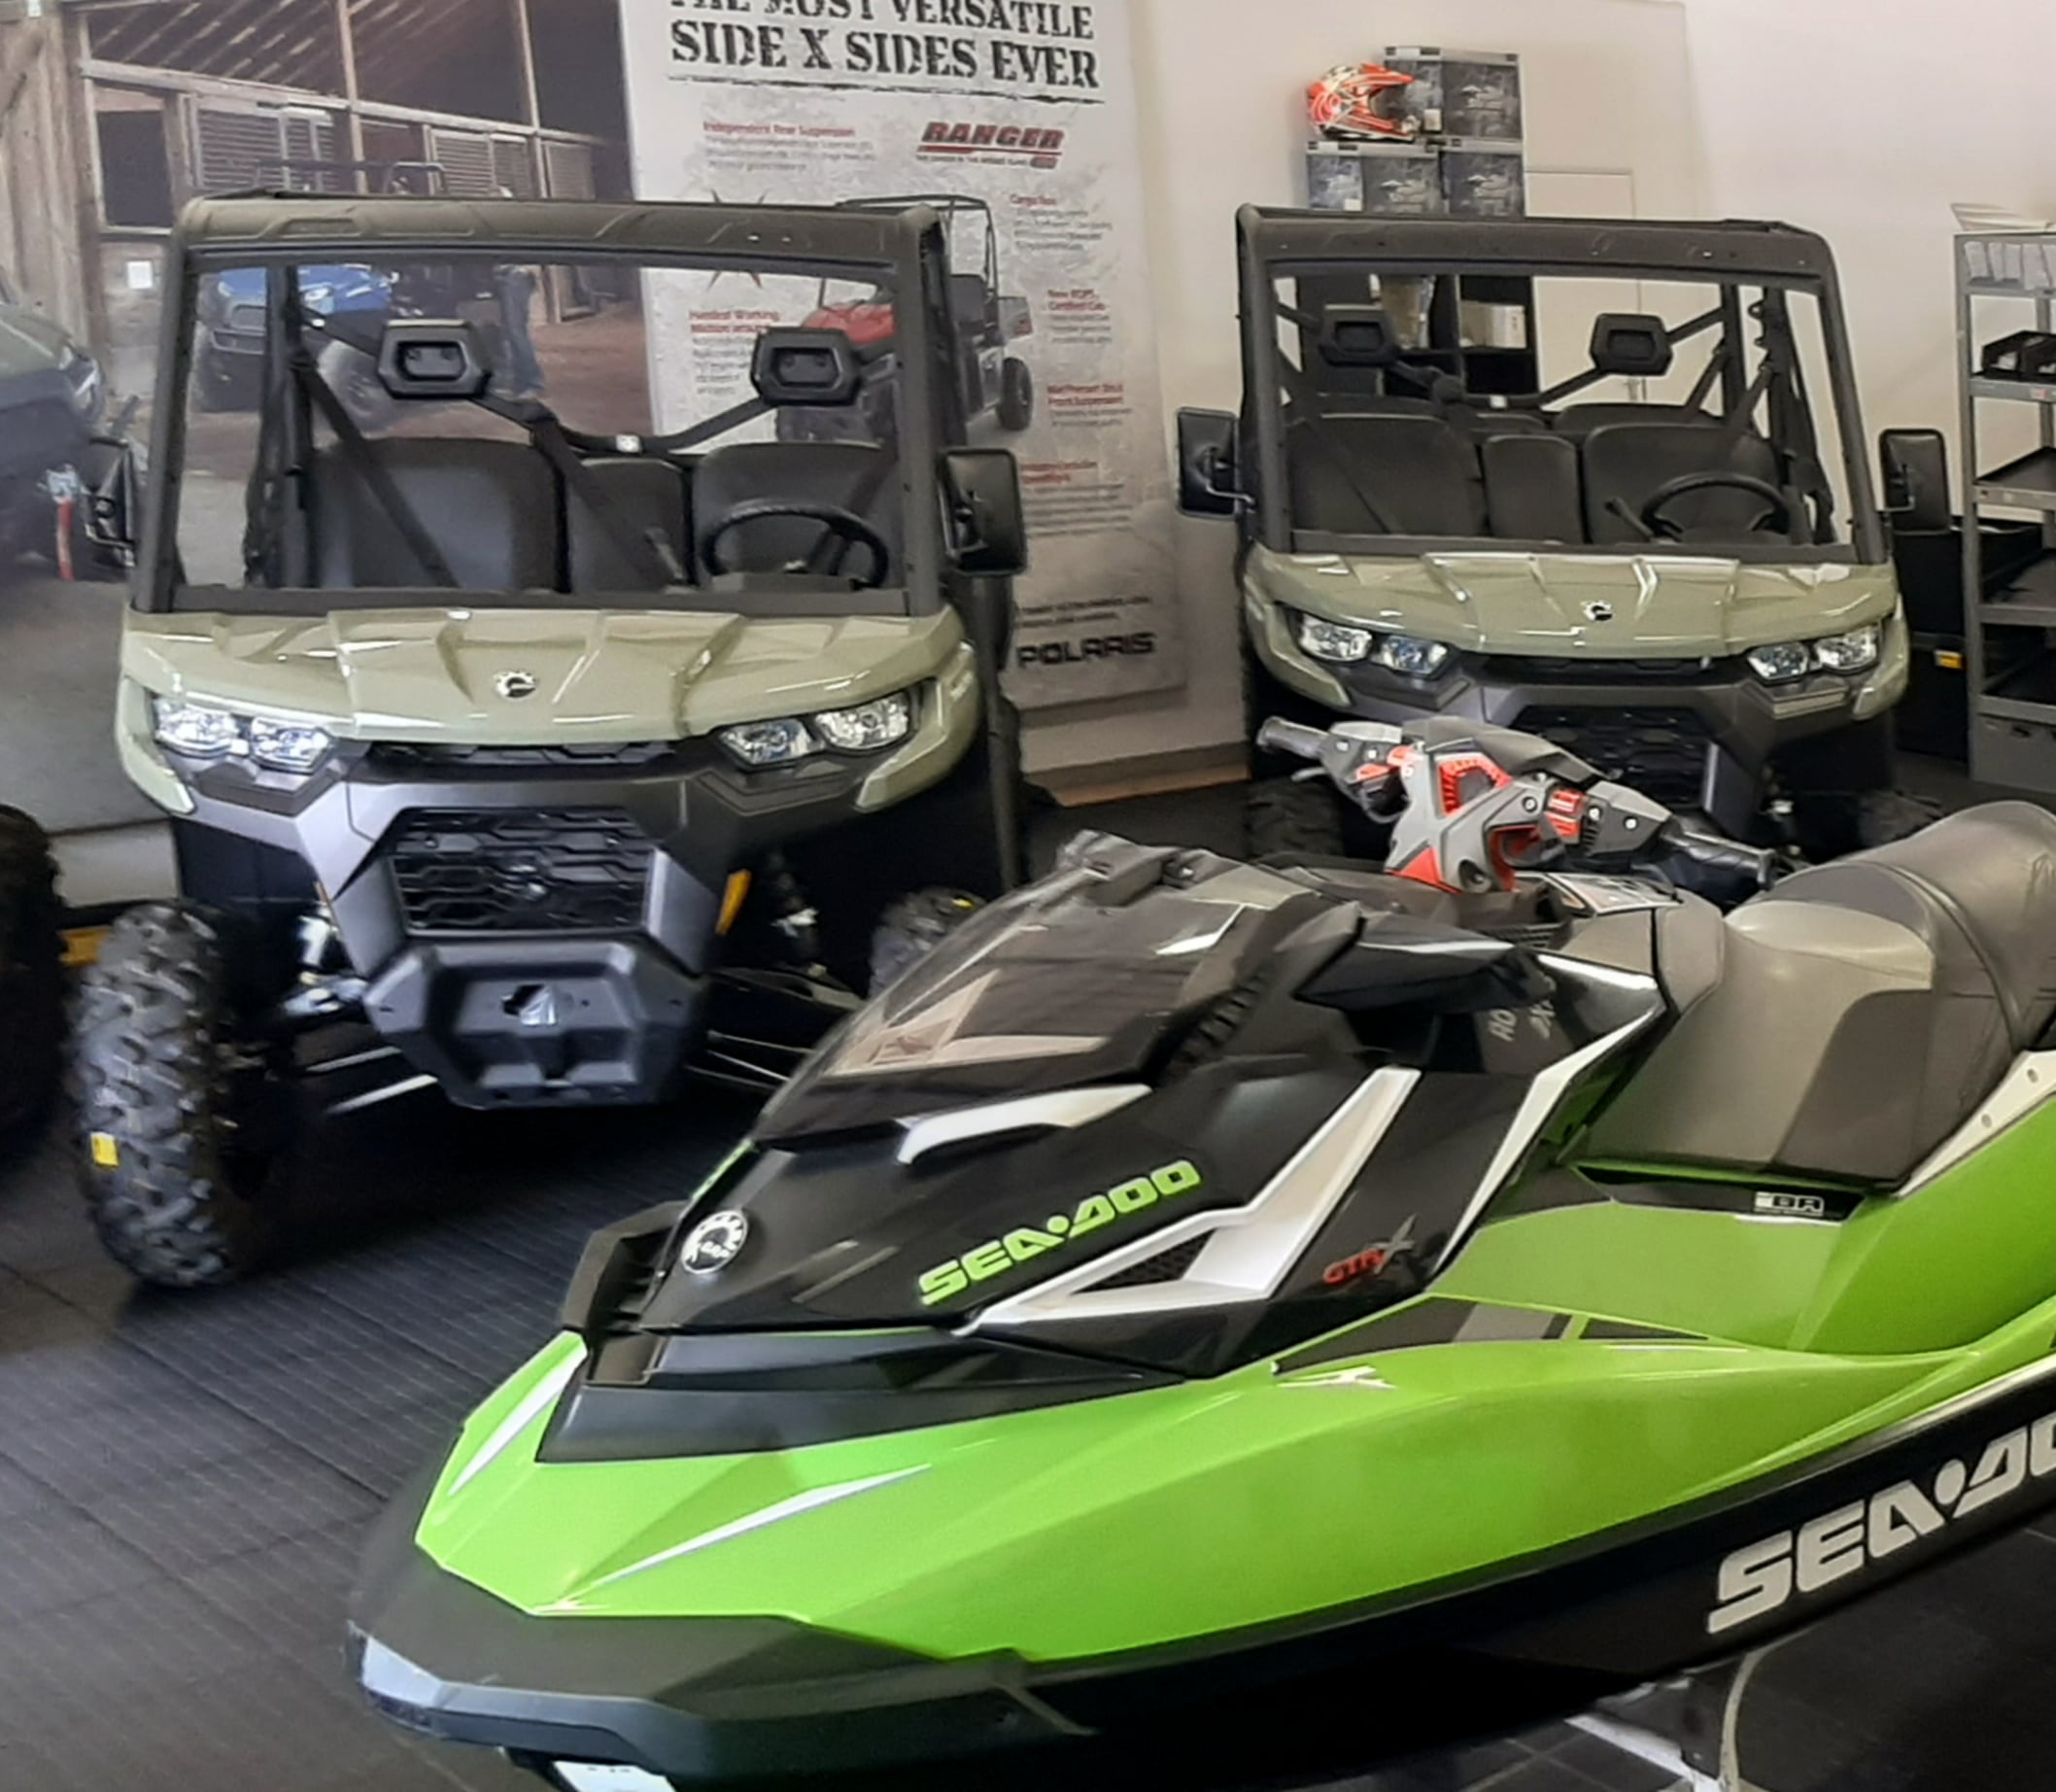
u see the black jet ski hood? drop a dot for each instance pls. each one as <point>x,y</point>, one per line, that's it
<point>1142,1037</point>
<point>1092,977</point>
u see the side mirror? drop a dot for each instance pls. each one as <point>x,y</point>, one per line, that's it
<point>1209,481</point>
<point>984,521</point>
<point>114,503</point>
<point>1916,481</point>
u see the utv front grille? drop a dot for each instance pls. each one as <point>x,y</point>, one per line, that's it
<point>1533,669</point>
<point>409,756</point>
<point>1659,753</point>
<point>520,871</point>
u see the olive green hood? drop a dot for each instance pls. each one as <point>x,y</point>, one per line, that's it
<point>1604,606</point>
<point>595,676</point>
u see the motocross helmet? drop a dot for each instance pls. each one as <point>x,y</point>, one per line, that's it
<point>1361,100</point>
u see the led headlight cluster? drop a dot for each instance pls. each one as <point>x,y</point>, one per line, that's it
<point>201,731</point>
<point>1343,643</point>
<point>866,728</point>
<point>1855,651</point>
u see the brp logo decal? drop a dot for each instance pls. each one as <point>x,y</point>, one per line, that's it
<point>515,685</point>
<point>714,1242</point>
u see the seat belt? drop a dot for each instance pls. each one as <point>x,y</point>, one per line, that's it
<point>648,551</point>
<point>1309,408</point>
<point>364,462</point>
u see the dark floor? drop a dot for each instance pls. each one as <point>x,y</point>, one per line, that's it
<point>184,1481</point>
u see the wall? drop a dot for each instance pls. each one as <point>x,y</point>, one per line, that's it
<point>1221,96</point>
<point>1864,119</point>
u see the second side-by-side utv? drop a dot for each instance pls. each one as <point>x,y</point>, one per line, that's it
<point>1604,482</point>
<point>525,750</point>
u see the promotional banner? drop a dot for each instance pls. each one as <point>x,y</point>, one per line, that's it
<point>1015,119</point>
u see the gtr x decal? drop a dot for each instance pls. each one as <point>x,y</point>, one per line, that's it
<point>1758,1580</point>
<point>1024,1244</point>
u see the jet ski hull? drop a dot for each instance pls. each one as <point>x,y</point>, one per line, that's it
<point>755,1700</point>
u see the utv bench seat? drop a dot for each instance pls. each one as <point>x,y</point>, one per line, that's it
<point>502,518</point>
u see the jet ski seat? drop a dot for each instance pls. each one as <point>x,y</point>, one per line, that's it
<point>1859,1012</point>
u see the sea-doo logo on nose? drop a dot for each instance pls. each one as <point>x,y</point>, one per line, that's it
<point>1599,613</point>
<point>1756,1581</point>
<point>514,685</point>
<point>1026,1243</point>
<point>713,1244</point>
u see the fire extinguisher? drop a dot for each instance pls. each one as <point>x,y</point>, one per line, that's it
<point>65,489</point>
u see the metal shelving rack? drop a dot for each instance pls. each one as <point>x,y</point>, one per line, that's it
<point>2009,567</point>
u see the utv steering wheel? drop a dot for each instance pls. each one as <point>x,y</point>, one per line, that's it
<point>842,526</point>
<point>1776,511</point>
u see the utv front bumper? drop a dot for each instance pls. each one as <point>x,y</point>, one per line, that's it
<point>532,927</point>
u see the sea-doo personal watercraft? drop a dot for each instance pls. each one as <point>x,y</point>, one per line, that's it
<point>1214,1323</point>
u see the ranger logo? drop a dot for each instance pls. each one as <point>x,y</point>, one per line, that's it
<point>1759,1580</point>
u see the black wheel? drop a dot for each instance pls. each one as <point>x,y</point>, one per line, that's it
<point>1829,824</point>
<point>31,972</point>
<point>352,376</point>
<point>1016,395</point>
<point>913,928</point>
<point>1301,819</point>
<point>169,1160</point>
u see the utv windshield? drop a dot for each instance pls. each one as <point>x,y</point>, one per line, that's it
<point>1557,410</point>
<point>471,430</point>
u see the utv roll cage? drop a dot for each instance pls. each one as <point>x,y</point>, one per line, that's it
<point>1780,259</point>
<point>280,231</point>
<point>946,206</point>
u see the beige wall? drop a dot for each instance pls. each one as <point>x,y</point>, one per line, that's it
<point>1864,119</point>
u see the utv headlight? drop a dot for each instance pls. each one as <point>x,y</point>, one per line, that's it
<point>196,730</point>
<point>201,731</point>
<point>769,744</point>
<point>1412,657</point>
<point>1854,652</point>
<point>1857,651</point>
<point>1782,663</point>
<point>1336,642</point>
<point>1343,643</point>
<point>869,727</point>
<point>287,746</point>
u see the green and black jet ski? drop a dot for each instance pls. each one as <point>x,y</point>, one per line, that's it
<point>1216,1323</point>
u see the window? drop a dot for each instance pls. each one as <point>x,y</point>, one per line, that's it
<point>135,161</point>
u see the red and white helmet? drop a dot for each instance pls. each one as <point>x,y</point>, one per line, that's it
<point>1359,99</point>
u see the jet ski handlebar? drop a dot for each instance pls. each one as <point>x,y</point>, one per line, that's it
<point>1471,805</point>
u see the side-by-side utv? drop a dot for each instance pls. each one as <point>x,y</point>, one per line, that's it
<point>1604,482</point>
<point>536,752</point>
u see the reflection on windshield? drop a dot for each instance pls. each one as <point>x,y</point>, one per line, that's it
<point>516,431</point>
<point>1587,413</point>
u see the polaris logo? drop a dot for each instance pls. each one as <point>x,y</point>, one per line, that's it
<point>1760,1579</point>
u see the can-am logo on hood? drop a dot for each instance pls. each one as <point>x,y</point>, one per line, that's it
<point>1759,1580</point>
<point>1025,1243</point>
<point>714,1242</point>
